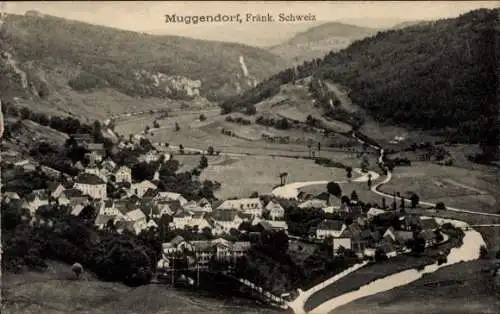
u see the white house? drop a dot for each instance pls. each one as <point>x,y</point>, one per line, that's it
<point>140,188</point>
<point>314,203</point>
<point>34,201</point>
<point>226,220</point>
<point>123,174</point>
<point>181,219</point>
<point>346,243</point>
<point>91,185</point>
<point>252,206</point>
<point>275,210</point>
<point>372,212</point>
<point>55,190</point>
<point>139,220</point>
<point>170,196</point>
<point>330,228</point>
<point>108,208</point>
<point>149,157</point>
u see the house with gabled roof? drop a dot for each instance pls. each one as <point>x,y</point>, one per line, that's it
<point>109,164</point>
<point>170,196</point>
<point>33,201</point>
<point>330,228</point>
<point>373,212</point>
<point>92,185</point>
<point>140,188</point>
<point>123,174</point>
<point>390,234</point>
<point>139,220</point>
<point>252,206</point>
<point>55,189</point>
<point>226,220</point>
<point>72,197</point>
<point>313,203</point>
<point>274,225</point>
<point>181,219</point>
<point>275,210</point>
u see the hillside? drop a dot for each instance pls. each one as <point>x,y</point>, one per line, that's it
<point>72,63</point>
<point>320,40</point>
<point>438,76</point>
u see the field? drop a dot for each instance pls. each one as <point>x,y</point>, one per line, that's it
<point>458,289</point>
<point>261,174</point>
<point>491,236</point>
<point>456,187</point>
<point>56,291</point>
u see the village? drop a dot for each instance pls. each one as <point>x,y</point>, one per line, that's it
<point>208,230</point>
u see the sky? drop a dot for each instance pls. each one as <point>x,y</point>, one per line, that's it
<point>148,16</point>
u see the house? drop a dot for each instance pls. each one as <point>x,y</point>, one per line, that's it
<point>330,199</point>
<point>108,208</point>
<point>342,210</point>
<point>77,209</point>
<point>151,224</point>
<point>109,165</point>
<point>390,234</point>
<point>313,203</point>
<point>388,248</point>
<point>10,196</point>
<point>275,210</point>
<point>252,206</point>
<point>33,201</point>
<point>102,221</point>
<point>170,196</point>
<point>177,245</point>
<point>373,212</point>
<point>402,237</point>
<point>92,185</point>
<point>339,242</point>
<point>97,149</point>
<point>429,236</point>
<point>123,174</point>
<point>162,208</point>
<point>226,220</point>
<point>220,249</point>
<point>55,189</point>
<point>148,157</point>
<point>139,220</point>
<point>274,225</point>
<point>193,207</point>
<point>50,172</point>
<point>330,228</point>
<point>72,197</point>
<point>141,188</point>
<point>205,204</point>
<point>122,225</point>
<point>96,171</point>
<point>181,219</point>
<point>94,157</point>
<point>26,164</point>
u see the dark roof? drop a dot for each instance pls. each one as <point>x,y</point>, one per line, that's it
<point>103,219</point>
<point>52,186</point>
<point>224,215</point>
<point>89,178</point>
<point>181,214</point>
<point>150,193</point>
<point>95,147</point>
<point>403,236</point>
<point>329,224</point>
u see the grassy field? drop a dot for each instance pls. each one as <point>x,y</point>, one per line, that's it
<point>261,174</point>
<point>458,289</point>
<point>56,291</point>
<point>456,187</point>
<point>491,236</point>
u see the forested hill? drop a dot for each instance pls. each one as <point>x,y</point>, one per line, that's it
<point>88,57</point>
<point>433,76</point>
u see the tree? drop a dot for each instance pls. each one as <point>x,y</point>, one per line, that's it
<point>345,200</point>
<point>440,206</point>
<point>380,255</point>
<point>210,150</point>
<point>146,130</point>
<point>402,206</point>
<point>334,188</point>
<point>156,125</point>
<point>354,196</point>
<point>203,162</point>
<point>349,172</point>
<point>202,117</point>
<point>77,269</point>
<point>483,252</point>
<point>384,206</point>
<point>283,177</point>
<point>414,200</point>
<point>177,127</point>
<point>25,113</point>
<point>364,164</point>
<point>369,182</point>
<point>143,171</point>
<point>181,149</point>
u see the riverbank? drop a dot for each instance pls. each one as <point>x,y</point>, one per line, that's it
<point>458,289</point>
